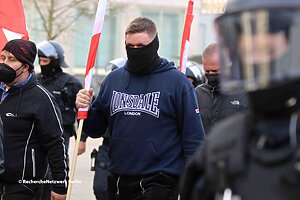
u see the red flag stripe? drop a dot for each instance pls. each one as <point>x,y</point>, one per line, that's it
<point>12,21</point>
<point>186,37</point>
<point>82,113</point>
<point>98,24</point>
<point>92,55</point>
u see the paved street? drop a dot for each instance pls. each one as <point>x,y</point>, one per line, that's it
<point>82,188</point>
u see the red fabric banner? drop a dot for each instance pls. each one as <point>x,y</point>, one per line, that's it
<point>98,24</point>
<point>12,21</point>
<point>186,36</point>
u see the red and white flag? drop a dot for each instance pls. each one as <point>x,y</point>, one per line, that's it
<point>12,21</point>
<point>98,24</point>
<point>186,37</point>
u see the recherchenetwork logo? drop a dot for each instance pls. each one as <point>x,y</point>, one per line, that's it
<point>132,104</point>
<point>47,182</point>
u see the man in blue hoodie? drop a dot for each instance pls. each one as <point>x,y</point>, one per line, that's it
<point>152,116</point>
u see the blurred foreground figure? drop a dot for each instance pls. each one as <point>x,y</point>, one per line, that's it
<point>254,156</point>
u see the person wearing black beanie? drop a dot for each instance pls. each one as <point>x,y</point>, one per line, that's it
<point>24,51</point>
<point>32,140</point>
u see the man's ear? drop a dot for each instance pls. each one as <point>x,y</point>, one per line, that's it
<point>26,67</point>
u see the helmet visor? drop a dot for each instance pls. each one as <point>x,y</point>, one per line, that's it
<point>258,48</point>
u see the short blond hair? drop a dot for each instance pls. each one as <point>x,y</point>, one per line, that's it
<point>140,25</point>
<point>210,51</point>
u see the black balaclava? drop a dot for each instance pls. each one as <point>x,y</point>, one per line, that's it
<point>51,69</point>
<point>143,60</point>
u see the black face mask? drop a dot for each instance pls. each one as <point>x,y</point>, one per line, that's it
<point>143,60</point>
<point>51,69</point>
<point>213,79</point>
<point>8,74</point>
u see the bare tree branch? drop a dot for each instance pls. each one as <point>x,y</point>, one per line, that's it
<point>62,10</point>
<point>64,28</point>
<point>41,15</point>
<point>56,16</point>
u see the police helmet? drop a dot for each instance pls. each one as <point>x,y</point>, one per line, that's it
<point>260,38</point>
<point>53,50</point>
<point>196,72</point>
<point>115,64</point>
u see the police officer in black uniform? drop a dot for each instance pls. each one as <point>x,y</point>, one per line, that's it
<point>255,155</point>
<point>63,86</point>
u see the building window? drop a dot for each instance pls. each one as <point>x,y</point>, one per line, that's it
<point>106,49</point>
<point>107,46</point>
<point>169,32</point>
<point>82,41</point>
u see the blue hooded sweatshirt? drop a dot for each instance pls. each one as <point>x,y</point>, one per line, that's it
<point>153,120</point>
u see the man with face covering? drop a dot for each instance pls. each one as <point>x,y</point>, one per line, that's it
<point>152,117</point>
<point>254,155</point>
<point>215,106</point>
<point>32,128</point>
<point>63,86</point>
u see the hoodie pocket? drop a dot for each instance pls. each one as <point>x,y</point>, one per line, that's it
<point>132,156</point>
<point>33,162</point>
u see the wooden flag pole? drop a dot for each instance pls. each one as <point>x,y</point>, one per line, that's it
<point>74,160</point>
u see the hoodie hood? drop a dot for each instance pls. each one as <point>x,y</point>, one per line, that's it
<point>165,65</point>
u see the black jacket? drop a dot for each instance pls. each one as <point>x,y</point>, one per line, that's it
<point>252,157</point>
<point>215,106</point>
<point>64,87</point>
<point>33,136</point>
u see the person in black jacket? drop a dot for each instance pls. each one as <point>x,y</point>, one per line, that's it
<point>32,128</point>
<point>254,155</point>
<point>215,106</point>
<point>61,85</point>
